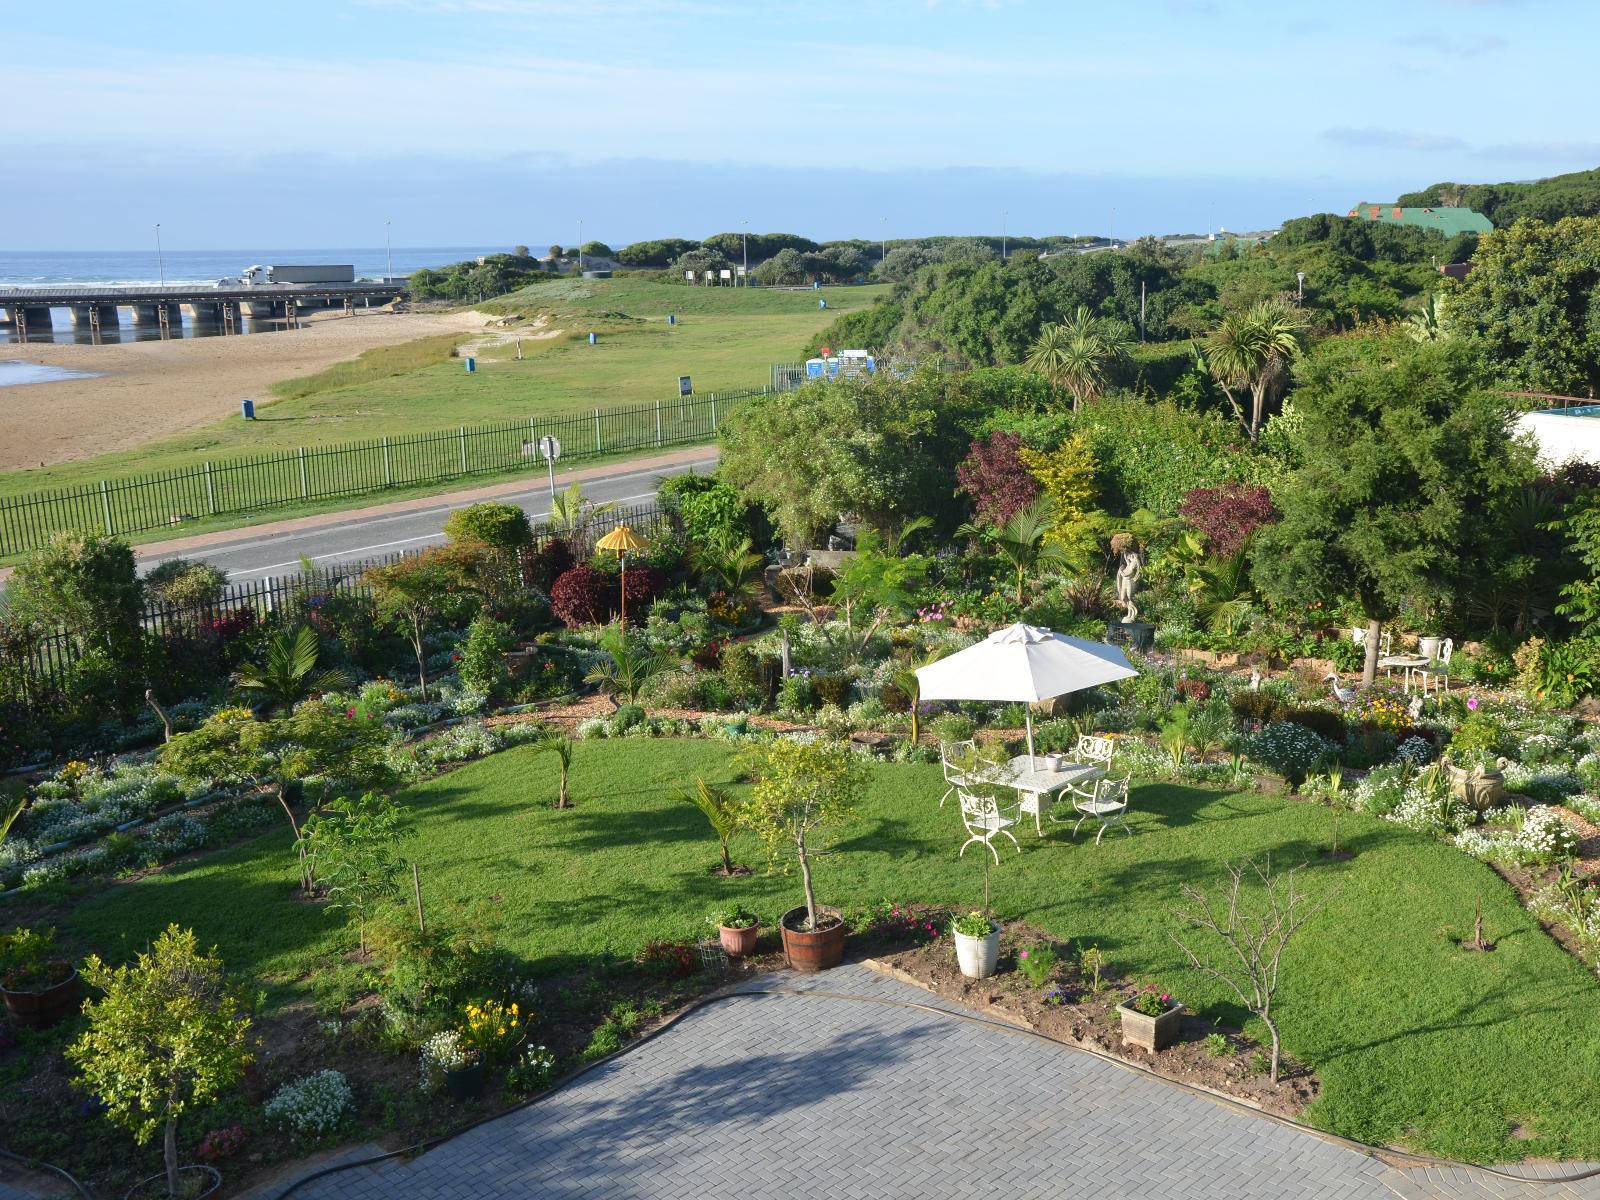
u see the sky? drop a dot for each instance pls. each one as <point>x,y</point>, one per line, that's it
<point>310,124</point>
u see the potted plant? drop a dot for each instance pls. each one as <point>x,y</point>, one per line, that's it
<point>977,944</point>
<point>803,788</point>
<point>1151,1019</point>
<point>737,929</point>
<point>449,1061</point>
<point>1476,773</point>
<point>39,987</point>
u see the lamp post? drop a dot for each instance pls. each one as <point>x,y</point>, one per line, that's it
<point>580,246</point>
<point>388,253</point>
<point>161,263</point>
<point>744,240</point>
<point>883,240</point>
<point>1300,287</point>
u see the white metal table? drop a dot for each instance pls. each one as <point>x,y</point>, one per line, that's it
<point>1036,785</point>
<point>1406,662</point>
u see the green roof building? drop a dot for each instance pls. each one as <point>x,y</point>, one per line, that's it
<point>1448,221</point>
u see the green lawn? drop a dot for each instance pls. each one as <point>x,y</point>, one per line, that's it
<point>1415,1041</point>
<point>725,338</point>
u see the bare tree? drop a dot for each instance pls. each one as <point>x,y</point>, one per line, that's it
<point>1254,936</point>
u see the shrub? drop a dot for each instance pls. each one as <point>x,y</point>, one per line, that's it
<point>893,698</point>
<point>669,960</point>
<point>741,671</point>
<point>797,694</point>
<point>1290,749</point>
<point>1036,962</point>
<point>483,665</point>
<point>1194,689</point>
<point>832,689</point>
<point>952,727</point>
<point>1320,721</point>
<point>1257,706</point>
<point>583,596</point>
<point>1226,516</point>
<point>545,565</point>
<point>313,1104</point>
<point>501,526</point>
<point>642,584</point>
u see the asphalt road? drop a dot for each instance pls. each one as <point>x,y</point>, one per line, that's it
<point>254,556</point>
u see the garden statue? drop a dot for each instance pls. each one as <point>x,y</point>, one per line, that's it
<point>1130,567</point>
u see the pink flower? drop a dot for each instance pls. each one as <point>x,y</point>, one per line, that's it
<point>1472,703</point>
<point>350,712</point>
<point>1024,954</point>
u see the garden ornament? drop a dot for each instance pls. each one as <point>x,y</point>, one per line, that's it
<point>1130,567</point>
<point>1342,695</point>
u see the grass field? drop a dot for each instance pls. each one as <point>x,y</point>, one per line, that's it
<point>725,338</point>
<point>1416,1043</point>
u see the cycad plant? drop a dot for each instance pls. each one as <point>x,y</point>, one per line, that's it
<point>1222,590</point>
<point>569,510</point>
<point>290,672</point>
<point>722,810</point>
<point>1023,540</point>
<point>626,669</point>
<point>730,566</point>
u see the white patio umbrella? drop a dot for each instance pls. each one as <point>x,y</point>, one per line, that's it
<point>1023,663</point>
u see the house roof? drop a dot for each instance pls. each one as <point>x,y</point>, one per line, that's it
<point>1448,221</point>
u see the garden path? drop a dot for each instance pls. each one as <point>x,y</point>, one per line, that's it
<point>837,1088</point>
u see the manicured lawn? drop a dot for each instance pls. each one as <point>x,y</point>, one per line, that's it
<point>1415,1041</point>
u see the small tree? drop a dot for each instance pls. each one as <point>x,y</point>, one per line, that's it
<point>1025,540</point>
<point>802,789</point>
<point>722,811</point>
<point>627,667</point>
<point>170,1034</point>
<point>413,592</point>
<point>560,745</point>
<point>994,476</point>
<point>352,851</point>
<point>1252,937</point>
<point>289,673</point>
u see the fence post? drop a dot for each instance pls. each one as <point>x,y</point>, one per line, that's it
<point>463,449</point>
<point>388,473</point>
<point>713,412</point>
<point>105,506</point>
<point>305,488</point>
<point>658,421</point>
<point>211,492</point>
<point>597,431</point>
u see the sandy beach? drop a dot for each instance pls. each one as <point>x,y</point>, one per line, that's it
<point>149,390</point>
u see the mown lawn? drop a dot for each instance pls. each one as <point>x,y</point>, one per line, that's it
<point>1415,1041</point>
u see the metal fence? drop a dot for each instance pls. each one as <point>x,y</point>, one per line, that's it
<point>44,666</point>
<point>175,498</point>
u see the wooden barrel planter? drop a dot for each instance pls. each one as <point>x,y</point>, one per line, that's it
<point>815,950</point>
<point>43,1008</point>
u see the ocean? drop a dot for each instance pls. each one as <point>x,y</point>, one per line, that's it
<point>142,268</point>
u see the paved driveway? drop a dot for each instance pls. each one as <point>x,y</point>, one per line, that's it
<point>768,1096</point>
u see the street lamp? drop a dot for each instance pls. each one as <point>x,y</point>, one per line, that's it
<point>1300,287</point>
<point>883,239</point>
<point>161,264</point>
<point>388,254</point>
<point>580,247</point>
<point>744,239</point>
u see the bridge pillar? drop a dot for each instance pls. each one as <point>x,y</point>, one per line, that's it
<point>205,313</point>
<point>257,309</point>
<point>31,319</point>
<point>95,316</point>
<point>146,314</point>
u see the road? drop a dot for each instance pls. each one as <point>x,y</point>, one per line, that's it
<point>249,554</point>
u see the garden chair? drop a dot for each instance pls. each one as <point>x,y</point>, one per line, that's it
<point>1439,668</point>
<point>1095,750</point>
<point>1107,804</point>
<point>949,754</point>
<point>984,821</point>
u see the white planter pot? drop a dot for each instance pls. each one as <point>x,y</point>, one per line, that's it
<point>1428,647</point>
<point>978,956</point>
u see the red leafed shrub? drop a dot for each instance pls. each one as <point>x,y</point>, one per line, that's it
<point>542,567</point>
<point>669,960</point>
<point>644,583</point>
<point>993,475</point>
<point>1226,516</point>
<point>1194,689</point>
<point>233,624</point>
<point>583,596</point>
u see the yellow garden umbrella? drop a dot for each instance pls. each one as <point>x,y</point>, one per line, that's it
<point>619,541</point>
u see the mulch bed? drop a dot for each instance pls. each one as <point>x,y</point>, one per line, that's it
<point>1089,1020</point>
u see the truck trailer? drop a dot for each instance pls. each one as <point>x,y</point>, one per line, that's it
<point>303,273</point>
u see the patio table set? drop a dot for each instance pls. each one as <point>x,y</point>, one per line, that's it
<point>1026,664</point>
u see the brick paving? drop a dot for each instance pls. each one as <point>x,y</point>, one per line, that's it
<point>763,1097</point>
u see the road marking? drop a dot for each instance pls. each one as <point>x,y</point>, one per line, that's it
<point>276,539</point>
<point>402,542</point>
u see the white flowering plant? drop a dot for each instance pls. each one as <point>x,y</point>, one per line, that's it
<point>1290,750</point>
<point>313,1104</point>
<point>443,1052</point>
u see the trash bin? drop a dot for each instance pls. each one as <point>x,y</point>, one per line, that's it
<point>592,339</point>
<point>472,364</point>
<point>672,318</point>
<point>247,409</point>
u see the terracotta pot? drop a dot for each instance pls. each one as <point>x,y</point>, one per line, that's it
<point>817,950</point>
<point>1152,1033</point>
<point>739,942</point>
<point>41,1009</point>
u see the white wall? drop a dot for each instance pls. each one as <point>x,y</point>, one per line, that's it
<point>1561,438</point>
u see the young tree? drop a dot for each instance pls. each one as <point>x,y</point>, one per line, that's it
<point>170,1034</point>
<point>560,745</point>
<point>416,590</point>
<point>570,510</point>
<point>1252,937</point>
<point>802,790</point>
<point>1251,351</point>
<point>722,811</point>
<point>289,673</point>
<point>626,668</point>
<point>1024,540</point>
<point>87,584</point>
<point>1079,354</point>
<point>351,849</point>
<point>1407,462</point>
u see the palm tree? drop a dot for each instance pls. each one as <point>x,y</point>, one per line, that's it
<point>560,745</point>
<point>1077,354</point>
<point>289,673</point>
<point>1250,351</point>
<point>734,568</point>
<point>1024,539</point>
<point>721,810</point>
<point>569,510</point>
<point>625,670</point>
<point>1223,591</point>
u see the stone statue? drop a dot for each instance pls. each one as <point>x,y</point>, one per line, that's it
<point>1130,567</point>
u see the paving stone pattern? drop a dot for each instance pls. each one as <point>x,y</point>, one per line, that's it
<point>762,1097</point>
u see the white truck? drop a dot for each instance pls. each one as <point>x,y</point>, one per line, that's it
<point>313,273</point>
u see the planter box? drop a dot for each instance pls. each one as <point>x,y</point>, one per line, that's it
<point>1152,1033</point>
<point>816,950</point>
<point>978,956</point>
<point>739,942</point>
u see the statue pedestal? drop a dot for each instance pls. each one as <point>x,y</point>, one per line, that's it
<point>1136,635</point>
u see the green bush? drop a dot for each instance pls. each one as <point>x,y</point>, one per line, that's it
<point>741,670</point>
<point>1320,721</point>
<point>952,727</point>
<point>832,689</point>
<point>501,526</point>
<point>1257,706</point>
<point>797,694</point>
<point>483,665</point>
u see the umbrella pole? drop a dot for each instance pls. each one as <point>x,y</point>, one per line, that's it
<point>1027,716</point>
<point>623,559</point>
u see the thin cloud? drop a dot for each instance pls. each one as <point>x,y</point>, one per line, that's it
<point>1394,139</point>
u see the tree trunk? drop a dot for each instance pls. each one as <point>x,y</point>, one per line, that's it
<point>169,1151</point>
<point>422,659</point>
<point>727,860</point>
<point>1369,668</point>
<point>1272,1028</point>
<point>1022,574</point>
<point>805,875</point>
<point>1258,402</point>
<point>288,811</point>
<point>561,799</point>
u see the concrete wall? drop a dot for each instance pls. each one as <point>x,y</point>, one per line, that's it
<point>1561,437</point>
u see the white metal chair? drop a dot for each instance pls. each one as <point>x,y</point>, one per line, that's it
<point>1439,668</point>
<point>1095,750</point>
<point>1108,804</point>
<point>984,821</point>
<point>949,754</point>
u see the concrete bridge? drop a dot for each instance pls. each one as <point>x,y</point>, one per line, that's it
<point>30,309</point>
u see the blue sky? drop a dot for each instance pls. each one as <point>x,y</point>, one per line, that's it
<point>483,121</point>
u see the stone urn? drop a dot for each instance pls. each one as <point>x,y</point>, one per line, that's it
<point>1481,787</point>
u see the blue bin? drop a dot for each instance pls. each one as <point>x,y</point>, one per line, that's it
<point>472,364</point>
<point>672,318</point>
<point>592,339</point>
<point>247,409</point>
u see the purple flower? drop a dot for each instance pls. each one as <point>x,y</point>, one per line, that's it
<point>1472,704</point>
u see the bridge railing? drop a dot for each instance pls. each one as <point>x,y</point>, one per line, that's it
<point>306,476</point>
